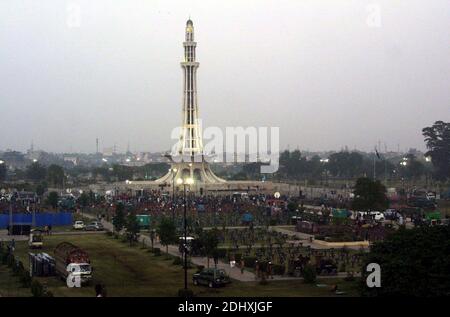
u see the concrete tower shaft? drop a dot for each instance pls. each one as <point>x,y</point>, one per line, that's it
<point>190,143</point>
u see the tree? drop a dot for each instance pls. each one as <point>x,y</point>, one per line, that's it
<point>167,232</point>
<point>132,226</point>
<point>209,241</point>
<point>2,172</point>
<point>437,140</point>
<point>122,172</point>
<point>83,200</point>
<point>369,195</point>
<point>346,164</point>
<point>119,218</point>
<point>36,172</point>
<point>52,199</point>
<point>41,188</point>
<point>55,175</point>
<point>413,262</point>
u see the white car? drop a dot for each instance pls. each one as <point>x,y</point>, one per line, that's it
<point>377,215</point>
<point>79,225</point>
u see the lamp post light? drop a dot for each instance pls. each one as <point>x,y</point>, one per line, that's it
<point>404,163</point>
<point>174,173</point>
<point>325,161</point>
<point>185,182</point>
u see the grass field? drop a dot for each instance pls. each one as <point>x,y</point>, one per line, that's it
<point>133,271</point>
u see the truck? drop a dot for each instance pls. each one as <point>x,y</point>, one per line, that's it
<point>70,259</point>
<point>36,239</point>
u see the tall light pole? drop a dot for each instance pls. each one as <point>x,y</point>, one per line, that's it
<point>185,182</point>
<point>174,173</point>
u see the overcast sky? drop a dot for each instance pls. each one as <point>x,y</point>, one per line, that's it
<point>328,73</point>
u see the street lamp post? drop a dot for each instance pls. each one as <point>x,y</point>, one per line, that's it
<point>186,182</point>
<point>174,173</point>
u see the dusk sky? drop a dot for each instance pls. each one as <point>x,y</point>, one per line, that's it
<point>328,73</point>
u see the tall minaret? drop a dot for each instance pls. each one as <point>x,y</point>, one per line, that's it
<point>189,161</point>
<point>190,143</point>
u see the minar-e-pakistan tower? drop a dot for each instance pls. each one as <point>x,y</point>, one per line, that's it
<point>189,162</point>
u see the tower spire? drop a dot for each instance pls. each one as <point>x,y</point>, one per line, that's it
<point>190,143</point>
<point>189,160</point>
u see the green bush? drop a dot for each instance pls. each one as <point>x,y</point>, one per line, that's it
<point>238,257</point>
<point>18,268</point>
<point>249,261</point>
<point>342,267</point>
<point>10,260</point>
<point>177,261</point>
<point>25,279</point>
<point>4,258</point>
<point>157,251</point>
<point>37,289</point>
<point>278,269</point>
<point>309,274</point>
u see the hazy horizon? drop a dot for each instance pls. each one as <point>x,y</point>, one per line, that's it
<point>328,73</point>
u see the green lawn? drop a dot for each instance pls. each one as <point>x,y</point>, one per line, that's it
<point>10,285</point>
<point>133,271</point>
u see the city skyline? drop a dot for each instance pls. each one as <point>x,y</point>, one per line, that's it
<point>320,71</point>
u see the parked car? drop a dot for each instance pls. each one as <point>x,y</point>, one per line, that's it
<point>79,225</point>
<point>94,226</point>
<point>326,267</point>
<point>211,278</point>
<point>376,215</point>
<point>391,214</point>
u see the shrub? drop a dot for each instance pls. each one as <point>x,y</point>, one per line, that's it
<point>37,289</point>
<point>249,261</point>
<point>278,269</point>
<point>10,260</point>
<point>18,268</point>
<point>4,258</point>
<point>157,251</point>
<point>25,279</point>
<point>342,267</point>
<point>237,257</point>
<point>309,274</point>
<point>177,261</point>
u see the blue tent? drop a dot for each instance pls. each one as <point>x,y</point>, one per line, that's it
<point>41,219</point>
<point>247,217</point>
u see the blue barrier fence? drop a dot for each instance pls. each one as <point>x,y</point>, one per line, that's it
<point>41,219</point>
